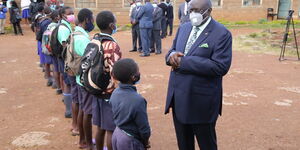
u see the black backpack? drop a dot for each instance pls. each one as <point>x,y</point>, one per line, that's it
<point>57,48</point>
<point>92,72</point>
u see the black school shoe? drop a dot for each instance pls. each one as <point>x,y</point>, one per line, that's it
<point>49,83</point>
<point>58,91</point>
<point>68,115</point>
<point>133,50</point>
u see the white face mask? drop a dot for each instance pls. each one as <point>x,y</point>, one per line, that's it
<point>154,5</point>
<point>138,4</point>
<point>196,18</point>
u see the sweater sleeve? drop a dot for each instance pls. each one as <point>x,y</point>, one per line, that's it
<point>141,120</point>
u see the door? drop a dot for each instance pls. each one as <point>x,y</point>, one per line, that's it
<point>283,8</point>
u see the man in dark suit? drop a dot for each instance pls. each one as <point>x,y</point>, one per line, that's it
<point>170,17</point>
<point>200,56</point>
<point>145,18</point>
<point>164,8</point>
<point>183,13</point>
<point>135,29</point>
<point>156,39</point>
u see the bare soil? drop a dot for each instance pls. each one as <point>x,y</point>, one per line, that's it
<point>261,100</point>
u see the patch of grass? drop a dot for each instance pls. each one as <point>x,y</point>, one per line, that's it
<point>8,29</point>
<point>260,24</point>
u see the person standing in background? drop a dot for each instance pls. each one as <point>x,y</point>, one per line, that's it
<point>145,17</point>
<point>156,39</point>
<point>132,5</point>
<point>25,10</point>
<point>164,8</point>
<point>183,12</point>
<point>15,17</point>
<point>135,29</point>
<point>3,11</point>
<point>170,17</point>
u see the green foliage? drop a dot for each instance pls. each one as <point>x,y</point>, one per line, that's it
<point>8,29</point>
<point>253,35</point>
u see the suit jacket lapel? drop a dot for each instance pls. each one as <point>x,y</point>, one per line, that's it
<point>205,33</point>
<point>185,37</point>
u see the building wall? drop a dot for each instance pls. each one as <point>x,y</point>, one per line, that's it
<point>230,10</point>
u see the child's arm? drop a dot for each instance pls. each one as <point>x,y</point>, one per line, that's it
<point>141,120</point>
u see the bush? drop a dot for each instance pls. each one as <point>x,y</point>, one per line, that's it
<point>253,35</point>
<point>262,21</point>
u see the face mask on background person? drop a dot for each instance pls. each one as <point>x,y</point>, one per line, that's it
<point>114,30</point>
<point>197,18</point>
<point>62,4</point>
<point>154,5</point>
<point>138,4</point>
<point>71,18</point>
<point>90,26</point>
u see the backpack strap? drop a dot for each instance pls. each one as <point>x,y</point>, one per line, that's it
<point>73,34</point>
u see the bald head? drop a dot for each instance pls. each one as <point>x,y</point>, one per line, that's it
<point>201,6</point>
<point>155,2</point>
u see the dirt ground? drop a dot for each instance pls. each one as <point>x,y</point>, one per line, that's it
<point>260,111</point>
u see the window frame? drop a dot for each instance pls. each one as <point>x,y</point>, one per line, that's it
<point>260,5</point>
<point>221,5</point>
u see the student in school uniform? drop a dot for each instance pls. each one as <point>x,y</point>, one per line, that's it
<point>46,59</point>
<point>102,111</point>
<point>58,80</point>
<point>129,109</point>
<point>67,17</point>
<point>25,10</point>
<point>83,105</point>
<point>3,11</point>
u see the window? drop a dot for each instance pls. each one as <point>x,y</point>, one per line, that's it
<point>85,4</point>
<point>216,3</point>
<point>126,3</point>
<point>251,2</point>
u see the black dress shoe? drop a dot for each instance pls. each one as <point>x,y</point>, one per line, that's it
<point>157,53</point>
<point>152,51</point>
<point>133,50</point>
<point>144,55</point>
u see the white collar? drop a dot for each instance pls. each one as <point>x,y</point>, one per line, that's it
<point>202,27</point>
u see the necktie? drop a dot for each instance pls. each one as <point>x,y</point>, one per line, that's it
<point>191,40</point>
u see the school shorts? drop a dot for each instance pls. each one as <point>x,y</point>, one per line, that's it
<point>55,63</point>
<point>102,114</point>
<point>66,78</point>
<point>86,101</point>
<point>74,89</point>
<point>122,141</point>
<point>61,65</point>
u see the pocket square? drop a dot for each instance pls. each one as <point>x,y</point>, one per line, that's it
<point>205,45</point>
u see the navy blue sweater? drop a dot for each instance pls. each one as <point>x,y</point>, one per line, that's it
<point>130,112</point>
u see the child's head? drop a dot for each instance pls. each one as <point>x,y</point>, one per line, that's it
<point>48,11</point>
<point>55,16</point>
<point>85,18</point>
<point>67,13</point>
<point>126,71</point>
<point>106,22</point>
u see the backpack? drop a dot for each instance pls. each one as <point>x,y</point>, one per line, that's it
<point>72,60</point>
<point>92,72</point>
<point>57,48</point>
<point>46,49</point>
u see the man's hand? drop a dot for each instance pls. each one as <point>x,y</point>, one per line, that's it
<point>175,60</point>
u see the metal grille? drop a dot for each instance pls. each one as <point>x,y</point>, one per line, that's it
<point>251,2</point>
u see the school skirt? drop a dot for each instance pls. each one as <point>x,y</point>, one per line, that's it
<point>123,141</point>
<point>44,59</point>
<point>102,114</point>
<point>25,13</point>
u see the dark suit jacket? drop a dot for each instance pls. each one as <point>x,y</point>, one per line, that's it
<point>183,18</point>
<point>134,13</point>
<point>145,16</point>
<point>196,87</point>
<point>157,16</point>
<point>170,13</point>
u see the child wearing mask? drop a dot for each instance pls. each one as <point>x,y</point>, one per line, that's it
<point>102,111</point>
<point>129,109</point>
<point>64,32</point>
<point>82,104</point>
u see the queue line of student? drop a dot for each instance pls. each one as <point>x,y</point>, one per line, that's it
<point>120,114</point>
